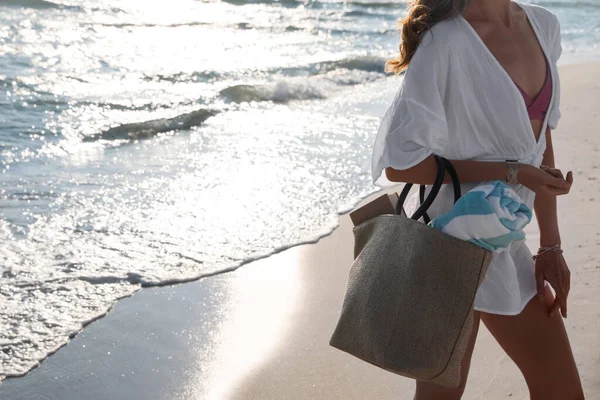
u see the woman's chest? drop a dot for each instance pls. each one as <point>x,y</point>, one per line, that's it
<point>486,114</point>
<point>517,51</point>
<point>486,117</point>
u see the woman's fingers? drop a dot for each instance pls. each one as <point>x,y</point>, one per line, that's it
<point>567,278</point>
<point>557,186</point>
<point>555,191</point>
<point>566,286</point>
<point>557,273</point>
<point>570,177</point>
<point>539,281</point>
<point>558,183</point>
<point>554,307</point>
<point>557,173</point>
<point>563,307</point>
<point>559,302</point>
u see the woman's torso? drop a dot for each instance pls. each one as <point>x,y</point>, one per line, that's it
<point>486,113</point>
<point>517,50</point>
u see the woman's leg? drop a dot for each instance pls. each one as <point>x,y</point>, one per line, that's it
<point>430,391</point>
<point>540,347</point>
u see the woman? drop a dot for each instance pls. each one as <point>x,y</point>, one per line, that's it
<point>481,87</point>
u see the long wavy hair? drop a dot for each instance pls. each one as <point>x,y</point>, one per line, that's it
<point>421,16</point>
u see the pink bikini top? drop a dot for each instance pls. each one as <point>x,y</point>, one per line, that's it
<point>538,106</point>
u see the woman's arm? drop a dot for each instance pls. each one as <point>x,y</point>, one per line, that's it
<point>545,205</point>
<point>468,171</point>
<point>474,171</point>
<point>551,266</point>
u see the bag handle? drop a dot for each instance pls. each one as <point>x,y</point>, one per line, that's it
<point>422,199</point>
<point>434,191</point>
<point>443,165</point>
<point>455,183</point>
<point>454,176</point>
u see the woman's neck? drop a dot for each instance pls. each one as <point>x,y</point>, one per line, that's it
<point>496,11</point>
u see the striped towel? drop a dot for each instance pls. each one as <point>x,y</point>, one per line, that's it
<point>490,215</point>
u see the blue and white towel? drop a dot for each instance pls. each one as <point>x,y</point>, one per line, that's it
<point>490,215</point>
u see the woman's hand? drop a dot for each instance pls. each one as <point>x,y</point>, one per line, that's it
<point>545,180</point>
<point>551,266</point>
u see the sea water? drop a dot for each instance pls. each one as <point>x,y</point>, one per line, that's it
<point>149,143</point>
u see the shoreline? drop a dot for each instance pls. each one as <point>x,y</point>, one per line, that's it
<point>261,330</point>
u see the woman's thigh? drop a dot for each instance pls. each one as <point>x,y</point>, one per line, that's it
<point>430,391</point>
<point>540,347</point>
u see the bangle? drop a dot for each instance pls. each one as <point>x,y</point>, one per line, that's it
<point>543,250</point>
<point>513,172</point>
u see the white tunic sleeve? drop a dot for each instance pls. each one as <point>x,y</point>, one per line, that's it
<point>556,51</point>
<point>414,126</point>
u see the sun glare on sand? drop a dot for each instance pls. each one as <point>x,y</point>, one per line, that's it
<point>262,306</point>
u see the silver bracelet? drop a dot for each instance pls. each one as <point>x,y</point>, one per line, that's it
<point>513,172</point>
<point>543,250</point>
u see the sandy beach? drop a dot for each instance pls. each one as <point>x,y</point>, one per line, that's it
<point>262,331</point>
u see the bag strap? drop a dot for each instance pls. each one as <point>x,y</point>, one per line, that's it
<point>443,166</point>
<point>439,179</point>
<point>455,180</point>
<point>422,199</point>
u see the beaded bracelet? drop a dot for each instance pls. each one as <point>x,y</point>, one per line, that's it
<point>543,250</point>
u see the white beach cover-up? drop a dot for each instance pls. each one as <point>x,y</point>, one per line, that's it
<point>457,101</point>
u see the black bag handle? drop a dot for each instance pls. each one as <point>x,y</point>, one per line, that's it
<point>455,184</point>
<point>434,191</point>
<point>454,176</point>
<point>422,199</point>
<point>443,165</point>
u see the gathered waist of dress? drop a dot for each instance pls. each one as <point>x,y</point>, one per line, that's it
<point>531,159</point>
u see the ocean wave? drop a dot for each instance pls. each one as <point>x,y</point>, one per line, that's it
<point>383,4</point>
<point>143,25</point>
<point>198,76</point>
<point>360,63</point>
<point>55,103</point>
<point>324,77</point>
<point>355,63</point>
<point>147,129</point>
<point>270,28</point>
<point>125,107</point>
<point>363,63</point>
<point>570,4</point>
<point>319,4</point>
<point>315,87</point>
<point>41,4</point>
<point>369,14</point>
<point>280,92</point>
<point>285,3</point>
<point>18,82</point>
<point>238,26</point>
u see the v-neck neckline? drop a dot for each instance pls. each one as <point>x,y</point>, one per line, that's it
<point>508,77</point>
<point>534,99</point>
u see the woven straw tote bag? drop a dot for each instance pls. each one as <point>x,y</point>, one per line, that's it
<point>408,306</point>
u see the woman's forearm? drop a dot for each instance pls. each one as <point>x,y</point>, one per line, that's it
<point>545,205</point>
<point>425,172</point>
<point>533,178</point>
